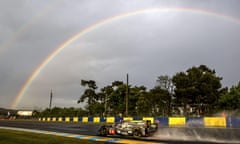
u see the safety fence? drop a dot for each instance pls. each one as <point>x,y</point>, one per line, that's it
<point>163,121</point>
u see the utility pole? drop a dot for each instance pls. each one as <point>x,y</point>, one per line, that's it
<point>51,95</point>
<point>127,91</point>
<point>105,106</point>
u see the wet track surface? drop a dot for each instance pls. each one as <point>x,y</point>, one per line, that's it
<point>164,134</point>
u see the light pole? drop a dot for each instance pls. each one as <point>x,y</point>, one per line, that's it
<point>127,97</point>
<point>51,95</point>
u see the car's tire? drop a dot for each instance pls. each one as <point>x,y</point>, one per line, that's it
<point>103,131</point>
<point>137,133</point>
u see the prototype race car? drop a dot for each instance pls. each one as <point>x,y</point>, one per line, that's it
<point>140,128</point>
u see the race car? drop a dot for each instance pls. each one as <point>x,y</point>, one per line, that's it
<point>136,128</point>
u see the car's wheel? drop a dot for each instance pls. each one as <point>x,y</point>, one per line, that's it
<point>137,133</point>
<point>103,131</point>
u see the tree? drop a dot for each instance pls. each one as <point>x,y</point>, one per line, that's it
<point>104,96</point>
<point>165,83</point>
<point>143,105</point>
<point>230,100</point>
<point>117,100</point>
<point>56,111</point>
<point>197,87</point>
<point>80,112</point>
<point>134,94</point>
<point>159,101</point>
<point>60,112</point>
<point>89,95</point>
<point>117,83</point>
<point>154,102</point>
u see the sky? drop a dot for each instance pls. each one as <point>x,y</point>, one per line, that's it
<point>144,38</point>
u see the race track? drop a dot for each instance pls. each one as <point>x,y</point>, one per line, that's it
<point>164,134</point>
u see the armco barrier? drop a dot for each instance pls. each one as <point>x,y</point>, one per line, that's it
<point>54,119</point>
<point>228,122</point>
<point>118,119</point>
<point>90,119</point>
<point>75,119</point>
<point>176,121</point>
<point>127,118</point>
<point>162,121</point>
<point>67,119</point>
<point>195,122</point>
<point>215,122</point>
<point>96,120</point>
<point>149,118</point>
<point>110,120</point>
<point>79,119</point>
<point>84,119</point>
<point>60,119</point>
<point>233,122</point>
<point>137,118</point>
<point>102,119</point>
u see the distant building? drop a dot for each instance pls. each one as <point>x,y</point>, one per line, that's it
<point>24,113</point>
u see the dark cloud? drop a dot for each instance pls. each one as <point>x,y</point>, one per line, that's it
<point>145,45</point>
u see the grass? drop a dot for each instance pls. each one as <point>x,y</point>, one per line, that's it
<point>20,137</point>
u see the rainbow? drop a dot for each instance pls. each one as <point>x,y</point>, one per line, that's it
<point>98,24</point>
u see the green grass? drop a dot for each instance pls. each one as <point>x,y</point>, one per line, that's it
<point>19,137</point>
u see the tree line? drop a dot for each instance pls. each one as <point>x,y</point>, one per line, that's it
<point>196,92</point>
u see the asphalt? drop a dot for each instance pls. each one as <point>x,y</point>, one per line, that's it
<point>164,134</point>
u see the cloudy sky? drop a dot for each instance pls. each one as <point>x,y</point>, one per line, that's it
<point>145,38</point>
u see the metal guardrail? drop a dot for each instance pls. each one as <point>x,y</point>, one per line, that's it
<point>166,121</point>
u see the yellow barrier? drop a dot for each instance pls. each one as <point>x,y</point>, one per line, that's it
<point>67,119</point>
<point>215,122</point>
<point>39,119</point>
<point>54,119</point>
<point>60,119</point>
<point>176,121</point>
<point>48,119</point>
<point>96,120</point>
<point>128,118</point>
<point>110,119</point>
<point>44,119</point>
<point>149,118</point>
<point>85,119</point>
<point>75,119</point>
